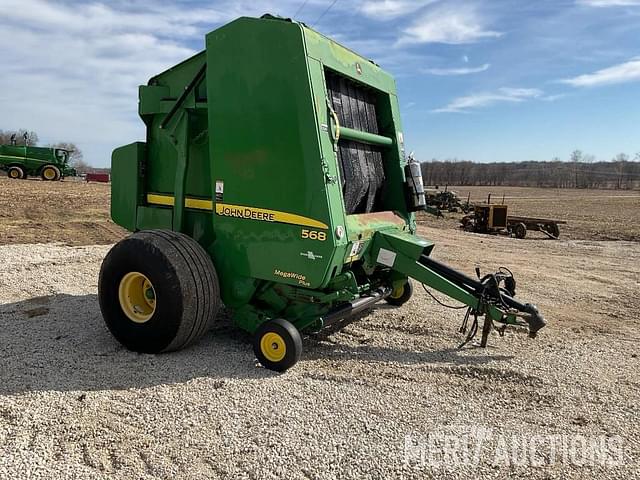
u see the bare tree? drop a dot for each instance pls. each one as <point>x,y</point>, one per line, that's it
<point>620,162</point>
<point>576,158</point>
<point>588,175</point>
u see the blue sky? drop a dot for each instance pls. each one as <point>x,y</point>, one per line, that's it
<point>481,80</point>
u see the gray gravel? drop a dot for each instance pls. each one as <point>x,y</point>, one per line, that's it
<point>362,403</point>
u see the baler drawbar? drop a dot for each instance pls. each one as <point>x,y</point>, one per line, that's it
<point>491,295</point>
<point>274,180</point>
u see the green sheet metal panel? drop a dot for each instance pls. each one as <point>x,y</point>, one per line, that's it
<point>156,99</point>
<point>264,148</point>
<point>340,59</point>
<point>126,186</point>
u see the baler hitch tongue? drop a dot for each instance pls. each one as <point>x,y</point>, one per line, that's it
<point>534,319</point>
<point>491,296</point>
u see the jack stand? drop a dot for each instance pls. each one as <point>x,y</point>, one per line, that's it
<point>486,330</point>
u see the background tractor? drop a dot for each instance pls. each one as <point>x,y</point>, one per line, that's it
<point>273,179</point>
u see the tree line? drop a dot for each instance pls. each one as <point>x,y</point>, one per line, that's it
<point>29,138</point>
<point>22,137</point>
<point>580,171</point>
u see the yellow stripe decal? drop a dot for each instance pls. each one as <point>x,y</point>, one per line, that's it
<point>239,211</point>
<point>168,201</point>
<point>160,199</point>
<point>198,204</point>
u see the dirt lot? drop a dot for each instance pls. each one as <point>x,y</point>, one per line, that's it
<point>71,212</point>
<point>590,214</point>
<point>77,213</point>
<point>362,403</point>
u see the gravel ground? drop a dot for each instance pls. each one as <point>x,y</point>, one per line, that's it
<point>383,398</point>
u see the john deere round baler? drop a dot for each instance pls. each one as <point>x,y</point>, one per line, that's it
<point>274,180</point>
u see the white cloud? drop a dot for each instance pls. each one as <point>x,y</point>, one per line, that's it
<point>448,24</point>
<point>621,73</point>
<point>479,100</point>
<point>95,18</point>
<point>609,3</point>
<point>553,98</point>
<point>521,93</point>
<point>390,9</point>
<point>457,71</point>
<point>71,71</point>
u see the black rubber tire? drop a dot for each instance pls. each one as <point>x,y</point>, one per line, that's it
<point>20,173</point>
<point>185,283</point>
<point>520,230</point>
<point>55,178</point>
<point>407,293</point>
<point>291,337</point>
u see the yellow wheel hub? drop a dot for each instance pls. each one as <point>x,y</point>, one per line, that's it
<point>137,297</point>
<point>273,347</point>
<point>14,174</point>
<point>397,292</point>
<point>49,173</point>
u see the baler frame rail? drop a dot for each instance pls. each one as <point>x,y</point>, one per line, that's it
<point>352,308</point>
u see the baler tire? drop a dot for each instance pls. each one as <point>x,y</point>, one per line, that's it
<point>15,173</point>
<point>186,292</point>
<point>520,230</point>
<point>283,335</point>
<point>403,297</point>
<point>56,173</point>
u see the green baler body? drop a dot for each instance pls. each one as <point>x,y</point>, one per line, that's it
<point>33,159</point>
<point>242,155</point>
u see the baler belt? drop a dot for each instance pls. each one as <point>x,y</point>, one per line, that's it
<point>360,147</point>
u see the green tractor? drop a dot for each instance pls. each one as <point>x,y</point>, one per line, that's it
<point>273,180</point>
<point>50,164</point>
